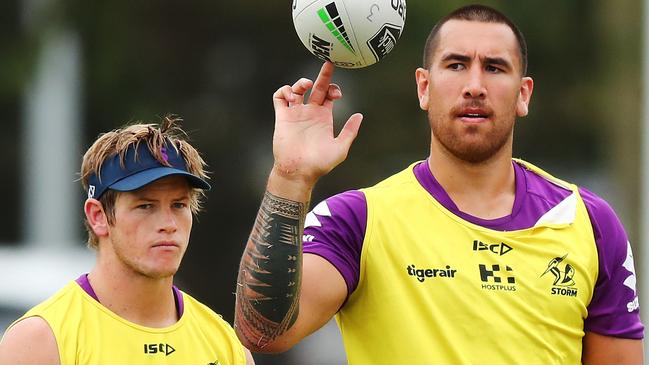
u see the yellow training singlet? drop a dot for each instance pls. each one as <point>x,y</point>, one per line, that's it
<point>436,289</point>
<point>87,333</point>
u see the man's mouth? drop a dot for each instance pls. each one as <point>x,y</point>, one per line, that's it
<point>166,244</point>
<point>473,117</point>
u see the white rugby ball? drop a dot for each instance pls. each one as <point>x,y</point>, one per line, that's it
<point>349,33</point>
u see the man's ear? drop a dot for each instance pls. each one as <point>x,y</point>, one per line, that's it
<point>96,216</point>
<point>524,96</point>
<point>421,77</point>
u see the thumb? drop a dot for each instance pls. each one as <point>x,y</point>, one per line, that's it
<point>349,131</point>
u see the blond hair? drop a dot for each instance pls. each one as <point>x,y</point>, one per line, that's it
<point>118,142</point>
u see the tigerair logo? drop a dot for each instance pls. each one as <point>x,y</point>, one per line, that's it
<point>563,273</point>
<point>331,19</point>
<point>422,274</point>
<point>158,348</point>
<point>497,248</point>
<point>494,278</point>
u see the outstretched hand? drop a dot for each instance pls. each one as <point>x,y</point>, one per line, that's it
<point>304,145</point>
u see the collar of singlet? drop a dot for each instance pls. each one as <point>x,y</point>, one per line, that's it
<point>84,283</point>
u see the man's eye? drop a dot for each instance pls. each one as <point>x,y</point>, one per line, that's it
<point>145,206</point>
<point>456,66</point>
<point>180,205</point>
<point>493,69</point>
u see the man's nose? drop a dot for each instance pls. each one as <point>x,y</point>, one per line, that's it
<point>475,87</point>
<point>168,221</point>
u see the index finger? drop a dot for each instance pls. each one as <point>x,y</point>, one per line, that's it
<point>321,85</point>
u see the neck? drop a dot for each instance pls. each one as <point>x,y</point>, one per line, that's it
<point>139,299</point>
<point>485,190</point>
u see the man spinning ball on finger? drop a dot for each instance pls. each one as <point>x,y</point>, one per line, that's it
<point>466,257</point>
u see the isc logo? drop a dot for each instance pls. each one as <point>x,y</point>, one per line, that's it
<point>497,248</point>
<point>158,348</point>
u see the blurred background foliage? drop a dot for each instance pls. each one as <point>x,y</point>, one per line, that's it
<point>217,63</point>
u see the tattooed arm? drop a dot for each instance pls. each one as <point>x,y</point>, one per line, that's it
<point>283,296</point>
<point>268,287</point>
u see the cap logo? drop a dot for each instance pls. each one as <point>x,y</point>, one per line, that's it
<point>163,151</point>
<point>91,191</point>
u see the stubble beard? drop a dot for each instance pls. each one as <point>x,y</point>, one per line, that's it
<point>469,143</point>
<point>141,268</point>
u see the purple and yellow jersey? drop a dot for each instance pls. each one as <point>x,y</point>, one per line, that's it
<point>86,332</point>
<point>428,283</point>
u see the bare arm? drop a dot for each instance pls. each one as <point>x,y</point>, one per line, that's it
<point>249,359</point>
<point>29,341</point>
<point>281,296</point>
<point>606,350</point>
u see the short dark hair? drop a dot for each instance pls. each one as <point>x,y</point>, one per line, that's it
<point>476,13</point>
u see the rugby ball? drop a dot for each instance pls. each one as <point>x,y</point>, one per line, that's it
<point>349,33</point>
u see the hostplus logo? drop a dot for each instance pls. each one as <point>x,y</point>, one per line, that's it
<point>563,274</point>
<point>331,19</point>
<point>494,278</point>
<point>422,274</point>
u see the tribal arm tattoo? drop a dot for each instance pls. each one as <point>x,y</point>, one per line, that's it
<point>268,285</point>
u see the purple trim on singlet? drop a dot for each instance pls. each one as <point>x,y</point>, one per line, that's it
<point>604,314</point>
<point>534,196</point>
<point>84,283</point>
<point>339,238</point>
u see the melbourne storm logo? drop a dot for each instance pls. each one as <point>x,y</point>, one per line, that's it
<point>563,274</point>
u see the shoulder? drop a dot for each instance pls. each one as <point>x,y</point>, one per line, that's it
<point>344,213</point>
<point>212,324</point>
<point>32,339</point>
<point>335,230</point>
<point>197,308</point>
<point>29,341</point>
<point>204,315</point>
<point>348,202</point>
<point>63,307</point>
<point>614,309</point>
<point>612,243</point>
<point>597,207</point>
<point>614,249</point>
<point>607,228</point>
